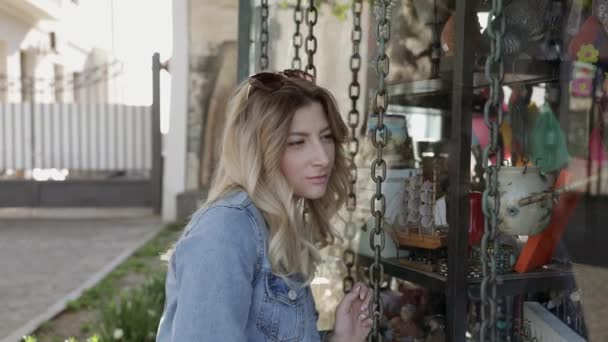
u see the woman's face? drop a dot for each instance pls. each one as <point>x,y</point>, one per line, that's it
<point>309,155</point>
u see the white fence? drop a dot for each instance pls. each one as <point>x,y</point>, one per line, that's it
<point>75,136</point>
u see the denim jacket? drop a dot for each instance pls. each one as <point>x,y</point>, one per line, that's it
<point>220,287</point>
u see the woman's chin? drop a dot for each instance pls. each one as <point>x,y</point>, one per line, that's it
<point>312,193</point>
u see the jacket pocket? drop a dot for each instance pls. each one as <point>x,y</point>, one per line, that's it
<point>281,317</point>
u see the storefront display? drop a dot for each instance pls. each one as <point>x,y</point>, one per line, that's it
<point>468,175</point>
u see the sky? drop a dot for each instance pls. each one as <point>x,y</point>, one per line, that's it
<point>133,30</point>
<point>141,28</point>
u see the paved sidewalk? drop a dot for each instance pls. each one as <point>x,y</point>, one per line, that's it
<point>48,257</point>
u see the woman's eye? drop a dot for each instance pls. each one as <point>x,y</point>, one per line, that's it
<point>295,143</point>
<point>328,137</point>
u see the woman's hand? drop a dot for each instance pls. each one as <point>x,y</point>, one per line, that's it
<point>352,316</point>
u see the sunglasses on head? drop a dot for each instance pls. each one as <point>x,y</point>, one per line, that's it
<point>273,81</point>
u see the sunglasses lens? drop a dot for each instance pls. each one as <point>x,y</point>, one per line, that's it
<point>294,73</point>
<point>273,81</point>
<point>268,80</point>
<point>264,80</point>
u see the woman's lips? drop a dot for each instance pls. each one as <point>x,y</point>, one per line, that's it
<point>317,180</point>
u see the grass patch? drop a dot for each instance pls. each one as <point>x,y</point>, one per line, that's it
<point>128,298</point>
<point>135,315</point>
<point>144,261</point>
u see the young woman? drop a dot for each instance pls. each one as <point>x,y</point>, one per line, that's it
<point>242,269</point>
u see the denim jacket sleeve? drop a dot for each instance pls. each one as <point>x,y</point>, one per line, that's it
<point>324,335</point>
<point>215,264</point>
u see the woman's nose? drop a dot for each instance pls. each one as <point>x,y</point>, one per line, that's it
<point>320,157</point>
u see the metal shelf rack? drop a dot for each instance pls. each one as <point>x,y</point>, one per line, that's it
<point>460,76</point>
<point>521,71</point>
<point>556,277</point>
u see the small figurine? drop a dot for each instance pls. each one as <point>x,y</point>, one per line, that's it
<point>404,328</point>
<point>529,27</point>
<point>473,323</point>
<point>436,333</point>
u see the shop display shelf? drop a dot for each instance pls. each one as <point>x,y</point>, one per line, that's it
<point>431,87</point>
<point>392,266</point>
<point>554,278</point>
<point>519,71</point>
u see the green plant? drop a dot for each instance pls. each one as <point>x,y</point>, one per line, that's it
<point>92,297</point>
<point>146,303</point>
<point>86,328</point>
<point>141,262</point>
<point>31,338</point>
<point>135,315</point>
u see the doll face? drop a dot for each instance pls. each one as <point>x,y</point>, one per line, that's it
<point>406,313</point>
<point>308,159</point>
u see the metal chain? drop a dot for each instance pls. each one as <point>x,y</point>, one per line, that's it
<point>264,36</point>
<point>435,44</point>
<point>298,17</point>
<point>379,140</point>
<point>354,91</point>
<point>311,40</point>
<point>494,71</point>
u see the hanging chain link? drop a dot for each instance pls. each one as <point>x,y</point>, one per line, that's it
<point>264,36</point>
<point>494,71</point>
<point>298,17</point>
<point>435,44</point>
<point>311,40</point>
<point>379,140</point>
<point>354,91</point>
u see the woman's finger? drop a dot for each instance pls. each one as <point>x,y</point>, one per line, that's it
<point>363,292</point>
<point>359,285</point>
<point>349,299</point>
<point>368,296</point>
<point>367,299</point>
<point>365,307</point>
<point>365,304</point>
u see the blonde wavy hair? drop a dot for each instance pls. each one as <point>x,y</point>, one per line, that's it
<point>255,136</point>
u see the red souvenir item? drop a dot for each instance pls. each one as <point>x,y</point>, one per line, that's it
<point>476,219</point>
<point>590,43</point>
<point>539,249</point>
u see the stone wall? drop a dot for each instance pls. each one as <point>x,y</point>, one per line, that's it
<point>213,31</point>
